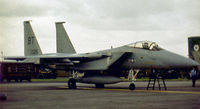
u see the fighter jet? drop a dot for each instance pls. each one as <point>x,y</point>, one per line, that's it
<point>106,66</point>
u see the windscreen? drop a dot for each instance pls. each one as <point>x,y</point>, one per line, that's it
<point>145,45</point>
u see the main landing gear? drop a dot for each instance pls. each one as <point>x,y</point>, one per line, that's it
<point>72,83</point>
<point>99,85</point>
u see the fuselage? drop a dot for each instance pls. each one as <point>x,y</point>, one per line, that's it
<point>133,58</point>
<point>136,58</point>
<point>162,59</point>
<point>143,58</point>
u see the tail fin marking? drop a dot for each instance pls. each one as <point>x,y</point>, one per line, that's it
<point>31,46</point>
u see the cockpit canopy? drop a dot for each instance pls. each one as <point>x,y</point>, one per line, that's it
<point>145,45</point>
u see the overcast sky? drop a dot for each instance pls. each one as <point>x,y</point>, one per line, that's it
<point>99,24</point>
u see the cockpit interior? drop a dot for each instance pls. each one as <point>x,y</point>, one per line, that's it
<point>148,45</point>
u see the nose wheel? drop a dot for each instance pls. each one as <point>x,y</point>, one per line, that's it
<point>132,86</point>
<point>72,83</point>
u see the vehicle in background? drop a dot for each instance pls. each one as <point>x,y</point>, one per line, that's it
<point>17,71</point>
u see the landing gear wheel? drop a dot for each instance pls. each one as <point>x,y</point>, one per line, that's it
<point>99,85</point>
<point>132,86</point>
<point>72,83</point>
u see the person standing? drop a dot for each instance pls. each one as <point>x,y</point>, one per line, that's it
<point>193,75</point>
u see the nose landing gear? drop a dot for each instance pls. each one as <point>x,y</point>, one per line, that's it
<point>132,86</point>
<point>132,77</point>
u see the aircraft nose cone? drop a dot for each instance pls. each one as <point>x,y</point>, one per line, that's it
<point>189,62</point>
<point>186,62</point>
<point>175,60</point>
<point>194,63</point>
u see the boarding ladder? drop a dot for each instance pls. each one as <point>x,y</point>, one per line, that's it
<point>153,77</point>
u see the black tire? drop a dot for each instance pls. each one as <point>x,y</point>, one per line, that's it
<point>132,86</point>
<point>72,83</point>
<point>99,85</point>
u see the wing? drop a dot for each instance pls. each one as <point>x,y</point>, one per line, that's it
<point>100,64</point>
<point>87,61</point>
<point>58,57</point>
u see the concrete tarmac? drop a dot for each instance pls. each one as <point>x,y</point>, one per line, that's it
<point>56,95</point>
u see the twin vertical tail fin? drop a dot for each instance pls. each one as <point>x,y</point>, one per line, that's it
<point>194,48</point>
<point>63,42</point>
<point>31,46</point>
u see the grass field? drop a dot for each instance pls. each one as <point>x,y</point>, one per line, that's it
<point>64,79</point>
<point>60,79</point>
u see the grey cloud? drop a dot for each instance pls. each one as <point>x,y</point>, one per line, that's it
<point>110,14</point>
<point>20,8</point>
<point>112,22</point>
<point>130,8</point>
<point>131,14</point>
